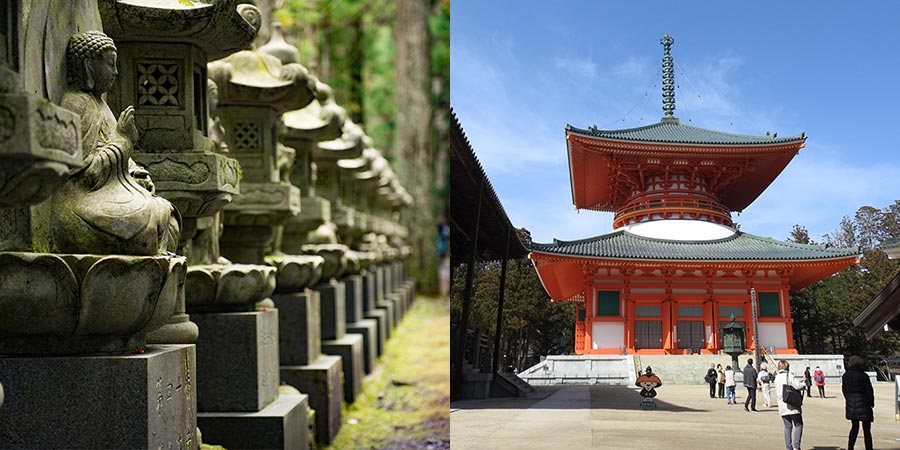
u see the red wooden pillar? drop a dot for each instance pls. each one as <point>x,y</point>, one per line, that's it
<point>628,315</point>
<point>667,305</point>
<point>709,320</point>
<point>785,295</point>
<point>587,272</point>
<point>749,332</point>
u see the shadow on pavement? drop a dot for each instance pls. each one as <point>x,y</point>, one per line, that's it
<point>628,398</point>
<point>601,397</point>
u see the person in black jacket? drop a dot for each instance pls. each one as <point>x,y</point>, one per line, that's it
<point>859,401</point>
<point>711,378</point>
<point>807,380</point>
<point>750,376</point>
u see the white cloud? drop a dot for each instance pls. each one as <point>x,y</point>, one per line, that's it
<point>582,67</point>
<point>816,190</point>
<point>709,91</point>
<point>633,68</point>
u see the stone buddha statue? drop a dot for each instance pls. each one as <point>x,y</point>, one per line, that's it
<point>107,206</point>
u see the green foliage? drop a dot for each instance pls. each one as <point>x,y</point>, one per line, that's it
<point>532,325</point>
<point>406,399</point>
<point>351,46</point>
<point>823,313</point>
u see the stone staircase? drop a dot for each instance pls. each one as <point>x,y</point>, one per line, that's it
<point>671,369</point>
<point>581,369</point>
<point>682,369</point>
<point>510,385</point>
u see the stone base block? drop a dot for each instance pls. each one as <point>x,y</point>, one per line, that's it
<point>299,334</point>
<point>321,380</point>
<point>281,425</point>
<point>382,333</point>
<point>410,291</point>
<point>333,315</point>
<point>350,349</point>
<point>398,307</point>
<point>387,306</point>
<point>369,290</point>
<point>401,298</point>
<point>406,291</point>
<point>368,329</point>
<point>145,400</point>
<point>353,290</point>
<point>237,360</point>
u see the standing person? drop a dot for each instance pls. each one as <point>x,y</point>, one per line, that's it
<point>721,380</point>
<point>750,383</point>
<point>819,378</point>
<point>764,380</point>
<point>859,401</point>
<point>807,380</point>
<point>710,378</point>
<point>729,384</point>
<point>791,415</point>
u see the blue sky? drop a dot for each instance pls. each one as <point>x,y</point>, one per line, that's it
<point>521,70</point>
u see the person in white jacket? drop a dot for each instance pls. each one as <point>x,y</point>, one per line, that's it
<point>764,379</point>
<point>791,415</point>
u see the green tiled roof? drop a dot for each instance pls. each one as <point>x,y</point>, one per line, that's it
<point>738,247</point>
<point>670,131</point>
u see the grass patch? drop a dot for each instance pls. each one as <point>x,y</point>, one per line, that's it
<point>405,402</point>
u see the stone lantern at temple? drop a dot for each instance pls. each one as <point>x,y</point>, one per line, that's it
<point>163,52</point>
<point>254,90</point>
<point>733,340</point>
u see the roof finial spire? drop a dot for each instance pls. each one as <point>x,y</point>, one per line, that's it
<point>668,72</point>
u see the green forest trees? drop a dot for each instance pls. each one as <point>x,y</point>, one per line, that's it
<point>388,63</point>
<point>533,326</point>
<point>823,313</point>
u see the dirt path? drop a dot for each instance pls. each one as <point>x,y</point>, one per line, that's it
<point>405,403</point>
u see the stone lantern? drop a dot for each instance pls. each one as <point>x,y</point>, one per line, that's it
<point>163,51</point>
<point>733,340</point>
<point>254,90</point>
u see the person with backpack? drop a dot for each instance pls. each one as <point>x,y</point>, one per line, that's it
<point>763,381</point>
<point>791,414</point>
<point>819,378</point>
<point>860,399</point>
<point>711,378</point>
<point>750,376</point>
<point>721,380</point>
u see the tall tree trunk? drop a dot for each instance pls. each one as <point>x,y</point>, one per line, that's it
<point>356,70</point>
<point>325,46</point>
<point>412,150</point>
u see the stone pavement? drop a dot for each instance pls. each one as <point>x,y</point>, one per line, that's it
<point>583,417</point>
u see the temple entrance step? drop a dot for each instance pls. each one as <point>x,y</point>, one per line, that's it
<point>581,369</point>
<point>511,384</point>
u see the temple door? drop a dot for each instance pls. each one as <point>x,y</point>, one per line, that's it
<point>647,334</point>
<point>691,335</point>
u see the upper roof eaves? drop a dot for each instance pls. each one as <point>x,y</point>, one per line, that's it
<point>673,132</point>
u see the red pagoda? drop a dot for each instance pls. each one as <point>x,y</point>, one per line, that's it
<point>676,268</point>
